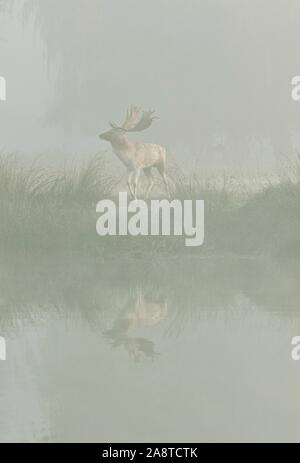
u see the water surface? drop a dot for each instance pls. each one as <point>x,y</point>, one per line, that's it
<point>199,352</point>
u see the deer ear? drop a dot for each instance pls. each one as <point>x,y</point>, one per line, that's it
<point>113,126</point>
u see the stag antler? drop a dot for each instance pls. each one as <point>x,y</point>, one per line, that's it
<point>136,120</point>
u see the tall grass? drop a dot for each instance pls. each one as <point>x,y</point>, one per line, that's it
<point>42,208</point>
<point>73,182</point>
<point>47,210</point>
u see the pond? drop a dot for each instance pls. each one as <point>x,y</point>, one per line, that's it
<point>146,351</point>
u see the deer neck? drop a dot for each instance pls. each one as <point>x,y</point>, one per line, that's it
<point>122,148</point>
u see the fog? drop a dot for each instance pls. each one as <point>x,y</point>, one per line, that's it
<point>218,73</point>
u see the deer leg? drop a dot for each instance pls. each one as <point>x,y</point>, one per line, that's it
<point>129,176</point>
<point>135,182</point>
<point>149,175</point>
<point>161,170</point>
<point>166,182</point>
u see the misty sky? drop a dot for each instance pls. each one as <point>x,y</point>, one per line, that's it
<point>218,73</point>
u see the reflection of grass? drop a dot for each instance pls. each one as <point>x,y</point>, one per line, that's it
<point>46,211</point>
<point>104,292</point>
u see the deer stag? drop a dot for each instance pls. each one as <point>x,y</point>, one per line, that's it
<point>137,156</point>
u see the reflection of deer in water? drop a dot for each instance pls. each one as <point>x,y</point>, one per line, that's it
<point>140,311</point>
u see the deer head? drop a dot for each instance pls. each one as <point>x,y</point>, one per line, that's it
<point>136,120</point>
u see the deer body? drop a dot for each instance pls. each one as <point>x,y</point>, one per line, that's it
<point>140,155</point>
<point>136,156</point>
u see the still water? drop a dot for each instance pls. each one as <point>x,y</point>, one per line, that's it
<point>194,352</point>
